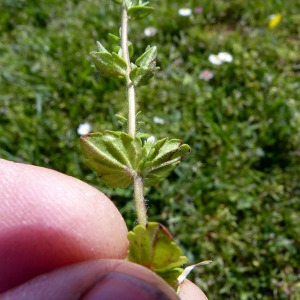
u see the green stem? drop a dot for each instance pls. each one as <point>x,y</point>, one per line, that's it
<point>138,185</point>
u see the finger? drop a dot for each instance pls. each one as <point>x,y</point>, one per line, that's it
<point>101,279</point>
<point>48,220</point>
<point>189,291</point>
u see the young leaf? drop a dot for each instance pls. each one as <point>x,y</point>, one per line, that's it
<point>153,247</point>
<point>149,56</point>
<point>139,12</point>
<point>139,2</point>
<point>112,155</point>
<point>145,67</point>
<point>109,64</point>
<point>141,76</point>
<point>130,49</point>
<point>160,159</point>
<point>122,121</point>
<point>128,3</point>
<point>113,37</point>
<point>101,48</point>
<point>135,2</point>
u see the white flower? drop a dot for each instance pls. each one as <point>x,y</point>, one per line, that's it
<point>215,59</point>
<point>84,128</point>
<point>206,75</point>
<point>225,57</point>
<point>158,120</point>
<point>184,12</point>
<point>220,58</point>
<point>150,31</point>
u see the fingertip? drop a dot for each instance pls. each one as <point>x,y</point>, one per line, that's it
<point>48,220</point>
<point>190,291</point>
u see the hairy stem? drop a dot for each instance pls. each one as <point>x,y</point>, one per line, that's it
<point>139,200</point>
<point>138,185</point>
<point>130,86</point>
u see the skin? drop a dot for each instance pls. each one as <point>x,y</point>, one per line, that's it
<point>58,236</point>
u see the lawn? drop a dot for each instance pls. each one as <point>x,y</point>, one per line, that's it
<point>236,198</point>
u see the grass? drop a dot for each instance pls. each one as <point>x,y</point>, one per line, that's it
<point>236,199</point>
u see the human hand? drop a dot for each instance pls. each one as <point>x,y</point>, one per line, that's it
<point>62,239</point>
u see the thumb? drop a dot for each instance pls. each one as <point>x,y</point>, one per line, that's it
<point>97,279</point>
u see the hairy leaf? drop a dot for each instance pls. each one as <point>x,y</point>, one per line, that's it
<point>145,67</point>
<point>141,76</point>
<point>109,64</point>
<point>153,247</point>
<point>112,155</point>
<point>148,57</point>
<point>117,157</point>
<point>161,158</point>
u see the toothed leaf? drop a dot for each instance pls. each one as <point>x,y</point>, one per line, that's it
<point>161,158</point>
<point>112,155</point>
<point>117,157</point>
<point>153,247</point>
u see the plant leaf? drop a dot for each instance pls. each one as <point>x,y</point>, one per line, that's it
<point>109,64</point>
<point>141,76</point>
<point>153,247</point>
<point>145,67</point>
<point>147,57</point>
<point>161,158</point>
<point>139,12</point>
<point>112,155</point>
<point>101,48</point>
<point>114,37</point>
<point>117,157</point>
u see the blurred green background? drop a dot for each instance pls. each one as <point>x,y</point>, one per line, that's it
<point>236,199</point>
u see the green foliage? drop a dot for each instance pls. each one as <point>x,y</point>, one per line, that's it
<point>109,64</point>
<point>139,12</point>
<point>117,157</point>
<point>235,199</point>
<point>145,67</point>
<point>113,156</point>
<point>153,247</point>
<point>160,159</point>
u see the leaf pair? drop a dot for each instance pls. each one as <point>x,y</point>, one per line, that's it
<point>145,67</point>
<point>136,9</point>
<point>117,157</point>
<point>153,247</point>
<point>113,65</point>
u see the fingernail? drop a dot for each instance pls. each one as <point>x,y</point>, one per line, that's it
<point>115,285</point>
